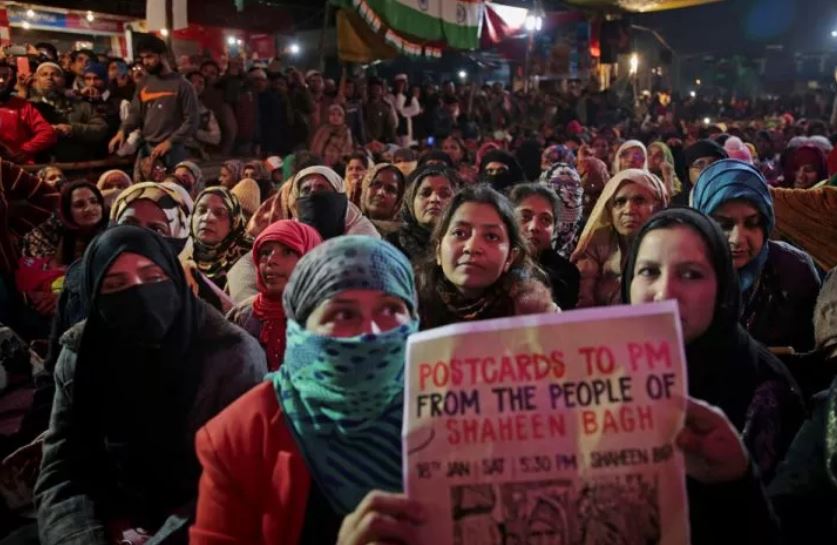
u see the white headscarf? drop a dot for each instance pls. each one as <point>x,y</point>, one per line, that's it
<point>630,144</point>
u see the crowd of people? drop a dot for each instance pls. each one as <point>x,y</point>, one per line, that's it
<point>216,355</point>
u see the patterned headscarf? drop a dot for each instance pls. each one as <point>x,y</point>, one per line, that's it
<point>301,239</point>
<point>594,176</point>
<point>215,260</point>
<point>600,218</point>
<point>110,194</point>
<point>344,395</point>
<point>172,205</point>
<point>559,153</point>
<point>260,168</point>
<point>566,182</point>
<point>282,205</point>
<point>730,179</point>
<point>235,167</point>
<point>197,174</point>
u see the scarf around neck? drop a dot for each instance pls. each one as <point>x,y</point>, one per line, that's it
<point>301,239</point>
<point>343,399</point>
<point>730,179</point>
<point>216,260</point>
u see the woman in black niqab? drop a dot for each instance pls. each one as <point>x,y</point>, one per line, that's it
<point>135,380</point>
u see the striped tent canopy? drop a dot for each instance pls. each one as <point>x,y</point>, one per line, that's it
<point>639,6</point>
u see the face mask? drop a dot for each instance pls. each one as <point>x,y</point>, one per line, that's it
<point>340,376</point>
<point>325,211</point>
<point>176,244</point>
<point>500,181</point>
<point>141,314</point>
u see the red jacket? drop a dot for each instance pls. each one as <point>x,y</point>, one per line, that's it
<point>254,487</point>
<point>23,128</point>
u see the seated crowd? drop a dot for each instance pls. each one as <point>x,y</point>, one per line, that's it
<point>264,301</point>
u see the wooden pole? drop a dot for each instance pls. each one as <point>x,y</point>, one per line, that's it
<point>169,32</point>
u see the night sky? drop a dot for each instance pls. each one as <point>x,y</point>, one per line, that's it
<point>746,26</point>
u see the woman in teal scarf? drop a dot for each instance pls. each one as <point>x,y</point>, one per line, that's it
<point>778,282</point>
<point>294,456</point>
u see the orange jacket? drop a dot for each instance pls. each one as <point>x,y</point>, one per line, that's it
<point>254,487</point>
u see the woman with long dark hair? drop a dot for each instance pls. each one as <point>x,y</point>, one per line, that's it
<point>479,267</point>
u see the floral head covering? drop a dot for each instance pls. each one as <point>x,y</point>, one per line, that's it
<point>110,194</point>
<point>196,172</point>
<point>566,182</point>
<point>216,260</point>
<point>169,201</point>
<point>559,153</point>
<point>235,167</point>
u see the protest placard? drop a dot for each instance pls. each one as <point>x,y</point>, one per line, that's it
<point>555,428</point>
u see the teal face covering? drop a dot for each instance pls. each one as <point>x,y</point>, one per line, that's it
<point>344,400</point>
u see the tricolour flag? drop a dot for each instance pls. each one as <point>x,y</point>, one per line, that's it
<point>456,22</point>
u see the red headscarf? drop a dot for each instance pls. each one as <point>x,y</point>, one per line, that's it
<point>300,238</point>
<point>805,155</point>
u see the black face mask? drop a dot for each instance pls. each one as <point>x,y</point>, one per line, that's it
<point>499,182</point>
<point>325,211</point>
<point>175,244</point>
<point>141,314</point>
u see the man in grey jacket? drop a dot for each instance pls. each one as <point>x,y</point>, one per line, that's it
<point>165,107</point>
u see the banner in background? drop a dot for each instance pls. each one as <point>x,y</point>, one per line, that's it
<point>71,22</point>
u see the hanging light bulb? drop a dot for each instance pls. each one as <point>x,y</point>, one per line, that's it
<point>30,13</point>
<point>90,17</point>
<point>164,32</point>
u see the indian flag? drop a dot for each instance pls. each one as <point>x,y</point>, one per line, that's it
<point>456,22</point>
